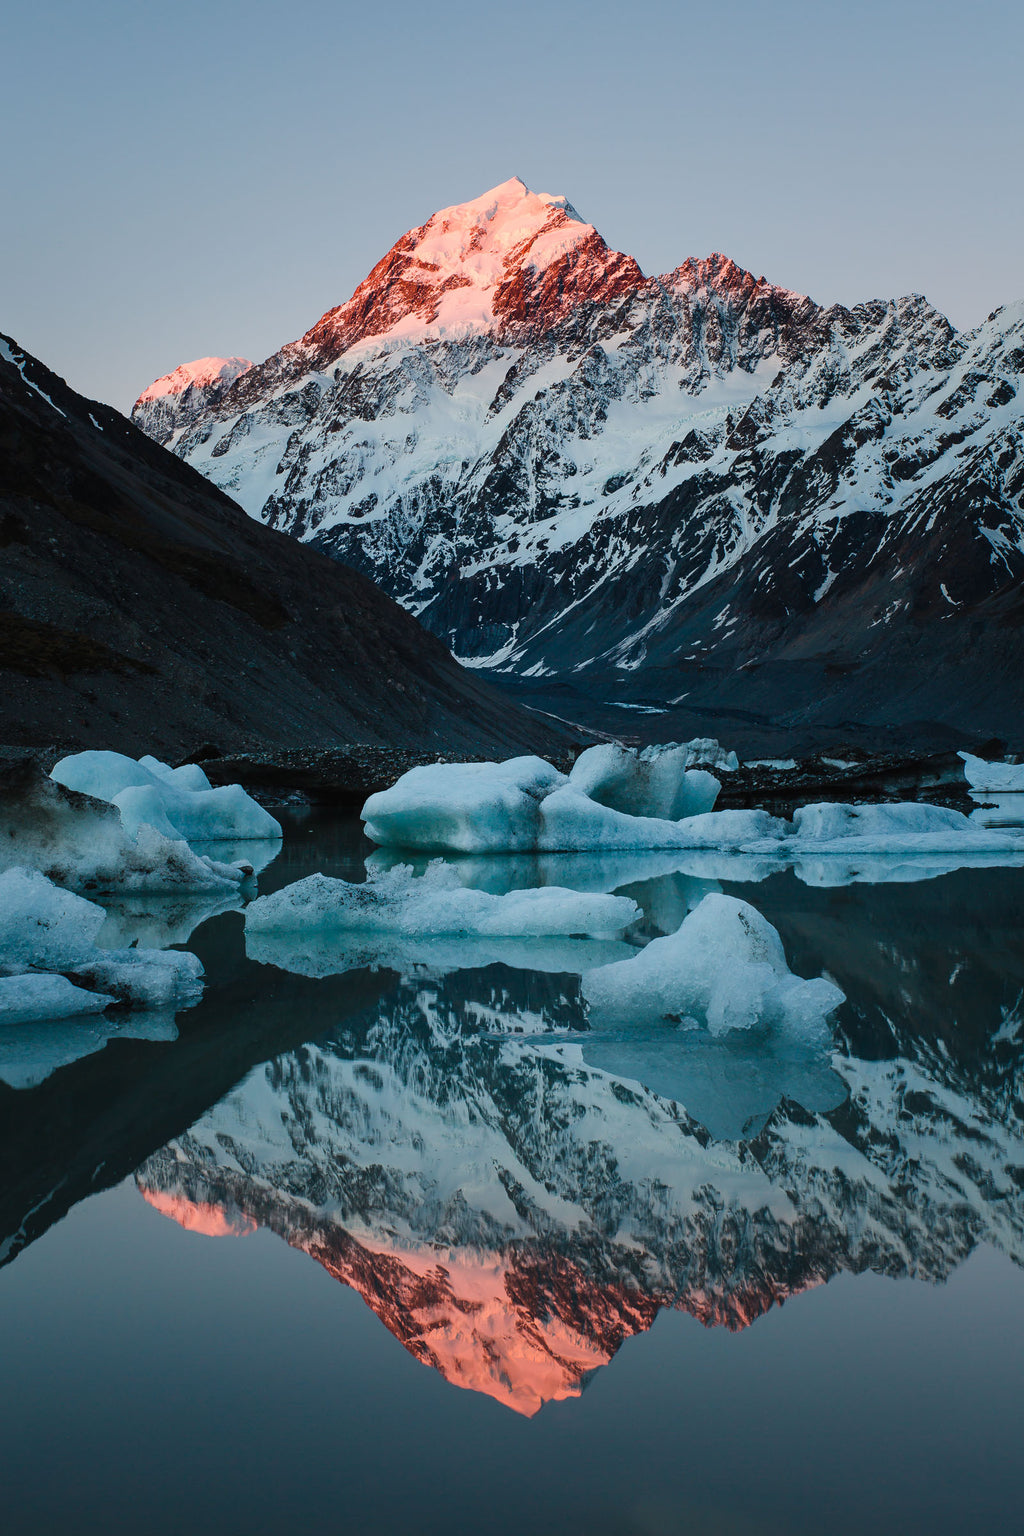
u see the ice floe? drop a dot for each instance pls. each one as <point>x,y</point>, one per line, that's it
<point>996,776</point>
<point>179,802</point>
<point>81,842</point>
<point>28,999</point>
<point>724,969</point>
<point>438,904</point>
<point>526,805</point>
<point>321,926</point>
<point>51,968</point>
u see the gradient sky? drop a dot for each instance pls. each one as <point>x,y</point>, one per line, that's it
<point>194,178</point>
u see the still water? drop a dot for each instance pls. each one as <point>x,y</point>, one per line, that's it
<point>414,1249</point>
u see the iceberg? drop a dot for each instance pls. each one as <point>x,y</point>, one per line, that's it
<point>145,978</point>
<point>996,776</point>
<point>42,927</point>
<point>436,905</point>
<point>178,802</point>
<point>525,805</point>
<point>82,843</point>
<point>29,999</point>
<point>657,783</point>
<point>322,927</point>
<point>50,966</point>
<point>724,969</point>
<point>905,827</point>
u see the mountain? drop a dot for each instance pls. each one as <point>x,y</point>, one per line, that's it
<point>140,607</point>
<point>663,501</point>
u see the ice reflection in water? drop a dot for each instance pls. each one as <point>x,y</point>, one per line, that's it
<point>515,1194</point>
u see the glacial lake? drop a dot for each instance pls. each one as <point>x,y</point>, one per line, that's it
<point>415,1249</point>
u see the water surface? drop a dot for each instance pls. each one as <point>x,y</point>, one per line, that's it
<point>420,1250</point>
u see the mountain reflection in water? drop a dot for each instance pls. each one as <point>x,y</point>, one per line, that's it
<point>515,1195</point>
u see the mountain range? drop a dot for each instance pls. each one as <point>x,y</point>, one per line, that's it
<point>650,503</point>
<point>139,605</point>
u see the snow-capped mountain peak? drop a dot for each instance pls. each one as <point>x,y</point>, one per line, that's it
<point>181,397</point>
<point>201,373</point>
<point>570,470</point>
<point>506,260</point>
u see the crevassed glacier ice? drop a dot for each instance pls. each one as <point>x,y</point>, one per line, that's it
<point>81,842</point>
<point>436,904</point>
<point>724,969</point>
<point>178,802</point>
<point>526,805</point>
<point>997,776</point>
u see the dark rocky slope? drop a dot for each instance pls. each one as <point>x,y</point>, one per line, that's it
<point>140,607</point>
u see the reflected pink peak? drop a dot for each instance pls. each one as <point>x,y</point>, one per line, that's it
<point>210,1220</point>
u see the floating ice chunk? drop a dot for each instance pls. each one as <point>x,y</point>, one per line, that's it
<point>572,822</point>
<point>657,783</point>
<point>100,774</point>
<point>188,776</point>
<point>464,807</point>
<point>44,928</point>
<point>434,905</point>
<point>733,829</point>
<point>998,776</point>
<point>145,978</point>
<point>178,802</point>
<point>725,968</point>
<point>525,805</point>
<point>27,999</point>
<point>81,842</point>
<point>906,827</point>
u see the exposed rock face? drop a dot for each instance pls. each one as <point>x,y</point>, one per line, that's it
<point>698,491</point>
<point>140,606</point>
<point>186,394</point>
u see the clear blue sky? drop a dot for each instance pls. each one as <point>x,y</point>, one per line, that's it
<point>188,178</point>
